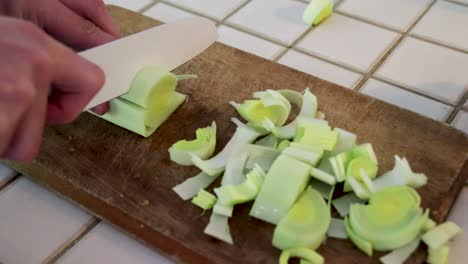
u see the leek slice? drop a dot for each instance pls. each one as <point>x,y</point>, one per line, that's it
<point>244,192</point>
<point>203,146</point>
<point>310,154</point>
<point>364,245</point>
<point>306,255</point>
<point>324,189</point>
<point>346,141</point>
<point>358,189</point>
<point>399,255</point>
<point>204,200</point>
<point>223,209</point>
<point>308,112</point>
<point>429,225</point>
<point>337,229</point>
<point>270,105</point>
<point>190,187</point>
<point>363,170</point>
<point>317,11</point>
<point>270,141</point>
<point>217,164</point>
<point>285,181</point>
<point>260,156</point>
<point>441,234</point>
<point>306,223</point>
<point>323,176</point>
<point>283,145</point>
<point>391,220</point>
<point>343,203</point>
<point>218,227</point>
<point>316,134</point>
<point>292,96</point>
<point>234,171</point>
<point>438,255</point>
<point>401,174</point>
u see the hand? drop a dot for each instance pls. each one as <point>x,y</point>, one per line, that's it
<point>30,63</point>
<point>81,24</point>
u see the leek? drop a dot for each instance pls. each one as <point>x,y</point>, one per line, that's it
<point>244,192</point>
<point>310,154</point>
<point>203,146</point>
<point>401,174</point>
<point>306,255</point>
<point>218,227</point>
<point>317,11</point>
<point>316,134</point>
<point>287,177</point>
<point>391,220</point>
<point>308,111</point>
<point>346,141</point>
<point>323,176</point>
<point>217,164</point>
<point>343,204</point>
<point>337,229</point>
<point>270,141</point>
<point>399,255</point>
<point>364,245</point>
<point>234,171</point>
<point>190,187</point>
<point>324,189</point>
<point>438,255</point>
<point>283,145</point>
<point>306,223</point>
<point>441,234</point>
<point>204,200</point>
<point>261,156</point>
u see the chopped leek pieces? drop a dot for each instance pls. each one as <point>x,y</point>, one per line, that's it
<point>151,99</point>
<point>317,11</point>
<point>290,172</point>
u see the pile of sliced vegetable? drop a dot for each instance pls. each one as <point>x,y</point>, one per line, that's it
<point>290,170</point>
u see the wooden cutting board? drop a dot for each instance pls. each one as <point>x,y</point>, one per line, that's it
<point>127,180</point>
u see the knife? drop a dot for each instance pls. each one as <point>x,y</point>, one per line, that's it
<point>168,45</point>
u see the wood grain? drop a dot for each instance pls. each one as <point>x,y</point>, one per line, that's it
<point>127,180</point>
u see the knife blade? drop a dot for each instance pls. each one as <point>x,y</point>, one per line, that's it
<point>168,45</point>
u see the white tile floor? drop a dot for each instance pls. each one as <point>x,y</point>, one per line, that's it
<point>428,68</point>
<point>396,14</point>
<point>445,23</point>
<point>348,41</point>
<point>34,223</point>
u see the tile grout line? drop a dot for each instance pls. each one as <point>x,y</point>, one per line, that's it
<point>10,181</point>
<point>68,245</point>
<point>457,3</point>
<point>395,45</point>
<point>457,109</point>
<point>148,6</point>
<point>183,8</point>
<point>402,87</point>
<point>426,39</point>
<point>237,9</point>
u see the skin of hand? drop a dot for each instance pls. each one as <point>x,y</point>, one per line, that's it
<point>40,78</point>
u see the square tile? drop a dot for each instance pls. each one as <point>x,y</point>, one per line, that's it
<point>104,244</point>
<point>348,41</point>
<point>34,223</point>
<point>167,14</point>
<point>396,14</point>
<point>428,68</point>
<point>461,121</point>
<point>217,9</point>
<point>249,43</point>
<point>279,20</point>
<point>320,68</point>
<point>445,23</point>
<point>411,101</point>
<point>134,5</point>
<point>460,217</point>
<point>6,174</point>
